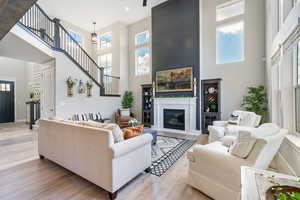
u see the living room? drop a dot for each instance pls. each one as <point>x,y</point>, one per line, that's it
<point>182,99</point>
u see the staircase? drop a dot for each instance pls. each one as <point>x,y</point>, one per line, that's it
<point>53,34</point>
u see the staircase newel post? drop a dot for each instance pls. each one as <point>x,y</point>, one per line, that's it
<point>43,33</point>
<point>56,33</point>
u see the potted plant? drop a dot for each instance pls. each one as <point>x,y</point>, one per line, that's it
<point>127,103</point>
<point>89,86</point>
<point>70,84</point>
<point>256,101</point>
<point>31,95</point>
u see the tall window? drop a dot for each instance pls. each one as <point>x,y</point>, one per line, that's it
<point>297,90</point>
<point>105,41</point>
<point>77,37</point>
<point>142,53</point>
<point>105,61</point>
<point>230,32</point>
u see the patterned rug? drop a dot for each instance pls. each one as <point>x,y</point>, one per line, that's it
<point>166,152</point>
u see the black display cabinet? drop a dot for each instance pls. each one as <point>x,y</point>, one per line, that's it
<point>210,102</point>
<point>147,105</point>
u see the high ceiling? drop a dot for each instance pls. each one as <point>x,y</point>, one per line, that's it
<point>105,12</point>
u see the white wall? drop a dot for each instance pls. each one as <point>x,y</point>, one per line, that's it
<point>68,106</point>
<point>135,82</point>
<point>236,77</point>
<point>16,70</point>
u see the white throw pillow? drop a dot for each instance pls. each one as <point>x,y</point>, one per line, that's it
<point>227,141</point>
<point>232,130</point>
<point>243,145</point>
<point>114,128</point>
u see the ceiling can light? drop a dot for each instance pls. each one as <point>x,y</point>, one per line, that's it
<point>94,35</point>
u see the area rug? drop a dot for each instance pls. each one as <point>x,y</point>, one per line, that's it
<point>166,152</point>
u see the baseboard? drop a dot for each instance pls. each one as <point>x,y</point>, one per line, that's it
<point>21,120</point>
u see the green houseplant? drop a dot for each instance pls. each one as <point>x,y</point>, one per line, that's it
<point>127,103</point>
<point>70,84</point>
<point>89,86</point>
<point>256,101</point>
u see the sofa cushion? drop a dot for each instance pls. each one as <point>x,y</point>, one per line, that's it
<point>114,128</point>
<point>243,145</point>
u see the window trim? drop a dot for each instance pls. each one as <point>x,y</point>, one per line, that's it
<point>229,4</point>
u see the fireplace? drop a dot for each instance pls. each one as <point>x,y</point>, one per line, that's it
<point>174,119</point>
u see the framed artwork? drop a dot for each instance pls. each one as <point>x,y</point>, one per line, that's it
<point>175,80</point>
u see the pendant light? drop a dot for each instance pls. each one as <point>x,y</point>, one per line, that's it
<point>94,35</point>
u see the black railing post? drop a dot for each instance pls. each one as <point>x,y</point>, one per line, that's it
<point>43,33</point>
<point>56,33</point>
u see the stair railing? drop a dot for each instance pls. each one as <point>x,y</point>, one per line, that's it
<point>58,38</point>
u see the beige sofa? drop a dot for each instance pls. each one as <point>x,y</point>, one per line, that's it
<point>92,154</point>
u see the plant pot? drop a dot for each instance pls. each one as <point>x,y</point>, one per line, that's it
<point>125,112</point>
<point>89,92</point>
<point>70,92</point>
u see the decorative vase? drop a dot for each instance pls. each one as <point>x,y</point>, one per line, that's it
<point>89,92</point>
<point>125,112</point>
<point>70,92</point>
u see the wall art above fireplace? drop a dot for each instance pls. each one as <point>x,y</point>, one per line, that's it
<point>175,80</point>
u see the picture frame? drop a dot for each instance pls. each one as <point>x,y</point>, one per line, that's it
<point>175,80</point>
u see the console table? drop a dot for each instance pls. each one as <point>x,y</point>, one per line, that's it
<point>251,185</point>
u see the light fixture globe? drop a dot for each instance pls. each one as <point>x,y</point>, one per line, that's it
<point>94,36</point>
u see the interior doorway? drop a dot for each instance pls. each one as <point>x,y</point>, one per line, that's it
<point>7,101</point>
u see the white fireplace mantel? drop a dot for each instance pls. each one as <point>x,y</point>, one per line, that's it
<point>187,104</point>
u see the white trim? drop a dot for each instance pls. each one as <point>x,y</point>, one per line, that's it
<point>12,79</point>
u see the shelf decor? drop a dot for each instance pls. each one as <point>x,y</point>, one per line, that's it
<point>89,86</point>
<point>147,105</point>
<point>70,84</point>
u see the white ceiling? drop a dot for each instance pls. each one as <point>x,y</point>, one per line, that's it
<point>105,12</point>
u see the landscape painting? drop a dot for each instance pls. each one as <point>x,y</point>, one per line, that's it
<point>175,80</point>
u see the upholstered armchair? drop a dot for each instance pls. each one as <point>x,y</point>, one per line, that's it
<point>214,170</point>
<point>246,119</point>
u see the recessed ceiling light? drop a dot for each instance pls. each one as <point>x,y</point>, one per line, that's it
<point>127,8</point>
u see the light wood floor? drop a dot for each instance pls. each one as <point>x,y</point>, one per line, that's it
<point>24,177</point>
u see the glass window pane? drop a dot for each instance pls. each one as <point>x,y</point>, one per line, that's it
<point>77,37</point>
<point>105,61</point>
<point>230,43</point>
<point>106,40</point>
<point>142,61</point>
<point>8,87</point>
<point>142,38</point>
<point>2,87</point>
<point>231,9</point>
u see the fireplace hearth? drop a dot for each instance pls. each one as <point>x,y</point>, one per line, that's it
<point>174,119</point>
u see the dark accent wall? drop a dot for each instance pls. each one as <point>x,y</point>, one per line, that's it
<point>175,41</point>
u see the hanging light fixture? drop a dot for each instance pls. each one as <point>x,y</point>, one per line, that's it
<point>94,34</point>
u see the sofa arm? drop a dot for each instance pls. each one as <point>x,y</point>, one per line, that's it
<point>215,133</point>
<point>220,123</point>
<point>127,146</point>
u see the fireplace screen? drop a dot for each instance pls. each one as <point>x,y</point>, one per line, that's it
<point>174,119</point>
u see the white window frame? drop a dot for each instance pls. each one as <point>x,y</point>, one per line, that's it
<point>99,41</point>
<point>229,4</point>
<point>227,22</point>
<point>296,84</point>
<point>137,47</point>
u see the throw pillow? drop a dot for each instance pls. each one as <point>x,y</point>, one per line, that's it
<point>243,145</point>
<point>267,129</point>
<point>227,141</point>
<point>132,132</point>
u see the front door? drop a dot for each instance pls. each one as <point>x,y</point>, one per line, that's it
<point>7,101</point>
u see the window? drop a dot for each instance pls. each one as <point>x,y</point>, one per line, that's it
<point>4,87</point>
<point>230,43</point>
<point>105,61</point>
<point>231,9</point>
<point>142,58</point>
<point>142,38</point>
<point>77,37</point>
<point>230,32</point>
<point>142,53</point>
<point>297,91</point>
<point>105,41</point>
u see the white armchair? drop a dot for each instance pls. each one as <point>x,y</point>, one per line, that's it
<point>216,172</point>
<point>246,119</point>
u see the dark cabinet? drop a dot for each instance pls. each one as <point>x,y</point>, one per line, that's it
<point>147,105</point>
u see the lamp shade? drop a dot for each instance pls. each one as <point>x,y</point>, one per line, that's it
<point>94,36</point>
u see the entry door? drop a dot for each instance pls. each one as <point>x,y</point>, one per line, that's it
<point>7,101</point>
<point>47,93</point>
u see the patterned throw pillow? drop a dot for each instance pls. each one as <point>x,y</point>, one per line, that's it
<point>132,132</point>
<point>234,119</point>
